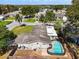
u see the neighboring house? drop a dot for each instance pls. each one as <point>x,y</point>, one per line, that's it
<point>61,14</point>
<point>50,9</point>
<point>12,14</point>
<point>54,11</point>
<point>41,12</point>
<point>2,17</point>
<point>65,18</point>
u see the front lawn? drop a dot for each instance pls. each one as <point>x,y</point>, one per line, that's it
<point>22,29</point>
<point>10,19</point>
<point>7,21</point>
<point>31,20</point>
<point>4,23</point>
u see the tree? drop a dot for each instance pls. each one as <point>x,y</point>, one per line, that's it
<point>8,8</point>
<point>18,18</point>
<point>0,10</point>
<point>73,12</point>
<point>5,37</point>
<point>29,10</point>
<point>58,25</point>
<point>73,16</point>
<point>49,16</point>
<point>56,7</point>
<point>42,18</point>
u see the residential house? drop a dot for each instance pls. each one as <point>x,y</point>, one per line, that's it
<point>2,17</point>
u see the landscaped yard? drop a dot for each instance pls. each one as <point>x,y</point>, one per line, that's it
<point>22,29</point>
<point>31,20</point>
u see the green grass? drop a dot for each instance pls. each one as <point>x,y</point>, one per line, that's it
<point>22,29</point>
<point>10,19</point>
<point>31,20</point>
<point>7,21</point>
<point>4,23</point>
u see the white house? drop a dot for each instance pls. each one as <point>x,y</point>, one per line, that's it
<point>60,14</point>
<point>51,31</point>
<point>65,18</point>
<point>38,15</point>
<point>1,17</point>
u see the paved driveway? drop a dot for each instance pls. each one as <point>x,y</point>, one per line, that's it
<point>38,35</point>
<point>15,24</point>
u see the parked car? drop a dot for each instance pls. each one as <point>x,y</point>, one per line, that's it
<point>29,16</point>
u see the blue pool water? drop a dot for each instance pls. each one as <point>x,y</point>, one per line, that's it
<point>57,48</point>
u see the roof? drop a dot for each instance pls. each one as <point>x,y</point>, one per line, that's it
<point>59,15</point>
<point>51,31</point>
<point>1,17</point>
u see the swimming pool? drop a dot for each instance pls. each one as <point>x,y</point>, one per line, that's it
<point>56,49</point>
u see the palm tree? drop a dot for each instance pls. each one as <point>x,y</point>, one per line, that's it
<point>18,18</point>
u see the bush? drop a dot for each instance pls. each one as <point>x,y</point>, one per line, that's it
<point>5,37</point>
<point>58,24</point>
<point>4,23</point>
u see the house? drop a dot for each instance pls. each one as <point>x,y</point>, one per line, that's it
<point>60,14</point>
<point>2,17</point>
<point>41,12</point>
<point>65,18</point>
<point>51,31</point>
